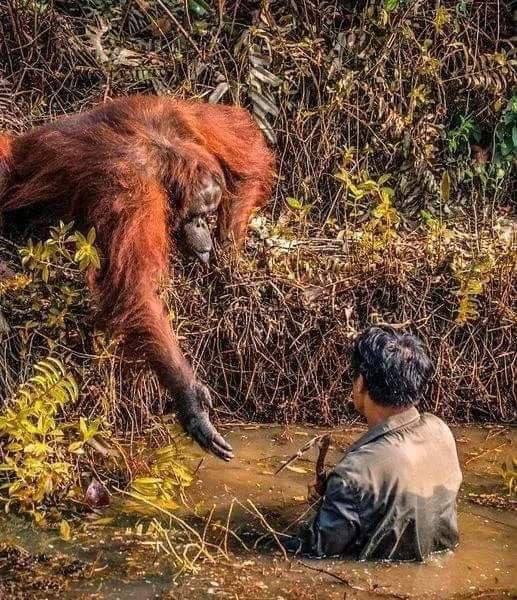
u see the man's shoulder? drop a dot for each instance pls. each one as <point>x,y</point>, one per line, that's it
<point>397,451</point>
<point>437,425</point>
<point>370,452</point>
<point>365,462</point>
<point>430,418</point>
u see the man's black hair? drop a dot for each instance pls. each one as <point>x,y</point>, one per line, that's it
<point>394,366</point>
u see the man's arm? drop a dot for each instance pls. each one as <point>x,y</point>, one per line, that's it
<point>336,524</point>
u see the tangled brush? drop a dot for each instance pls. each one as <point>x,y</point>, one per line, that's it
<point>393,123</point>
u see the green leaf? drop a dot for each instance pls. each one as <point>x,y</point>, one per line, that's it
<point>368,186</point>
<point>476,133</point>
<point>387,193</point>
<point>294,203</point>
<point>198,7</point>
<point>390,5</point>
<point>505,149</point>
<point>384,178</point>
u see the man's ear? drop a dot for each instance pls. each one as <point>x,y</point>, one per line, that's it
<point>361,384</point>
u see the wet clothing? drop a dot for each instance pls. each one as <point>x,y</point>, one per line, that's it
<point>393,494</point>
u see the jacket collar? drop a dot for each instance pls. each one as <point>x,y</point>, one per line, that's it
<point>392,423</point>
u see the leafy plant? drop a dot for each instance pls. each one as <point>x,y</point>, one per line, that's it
<point>161,487</point>
<point>302,208</point>
<point>460,136</point>
<point>361,185</point>
<point>462,8</point>
<point>51,293</point>
<point>86,254</point>
<point>505,150</point>
<point>438,233</point>
<point>391,5</point>
<point>38,257</point>
<point>38,446</point>
<point>419,96</point>
<point>441,18</point>
<point>380,231</point>
<point>34,438</point>
<point>472,278</point>
<point>381,228</point>
<point>199,7</point>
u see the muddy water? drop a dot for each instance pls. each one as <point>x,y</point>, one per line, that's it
<point>113,561</point>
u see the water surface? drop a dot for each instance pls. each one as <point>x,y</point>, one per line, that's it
<point>115,561</point>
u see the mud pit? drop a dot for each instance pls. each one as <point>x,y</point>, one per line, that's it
<point>114,562</point>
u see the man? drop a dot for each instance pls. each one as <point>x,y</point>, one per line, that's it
<point>393,494</point>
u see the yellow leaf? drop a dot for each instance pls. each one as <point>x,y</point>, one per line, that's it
<point>39,518</point>
<point>442,18</point>
<point>103,521</point>
<point>295,469</point>
<point>91,236</point>
<point>294,203</point>
<point>75,447</point>
<point>64,530</point>
<point>146,485</point>
<point>38,449</point>
<point>419,94</point>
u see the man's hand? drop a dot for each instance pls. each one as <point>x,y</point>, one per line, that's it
<point>192,413</point>
<point>316,489</point>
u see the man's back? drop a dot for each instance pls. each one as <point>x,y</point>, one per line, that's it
<point>393,495</point>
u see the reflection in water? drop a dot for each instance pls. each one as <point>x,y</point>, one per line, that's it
<point>110,563</point>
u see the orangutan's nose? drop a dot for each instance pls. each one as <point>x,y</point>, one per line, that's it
<point>204,257</point>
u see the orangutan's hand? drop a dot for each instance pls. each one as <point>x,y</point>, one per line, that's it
<point>192,410</point>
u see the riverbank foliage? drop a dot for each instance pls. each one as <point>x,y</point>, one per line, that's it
<point>395,126</point>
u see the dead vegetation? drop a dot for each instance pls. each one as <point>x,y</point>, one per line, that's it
<point>393,124</point>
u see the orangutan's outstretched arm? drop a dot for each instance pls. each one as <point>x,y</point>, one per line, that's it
<point>152,333</point>
<point>132,233</point>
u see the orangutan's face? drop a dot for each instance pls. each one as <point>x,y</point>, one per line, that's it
<point>195,231</point>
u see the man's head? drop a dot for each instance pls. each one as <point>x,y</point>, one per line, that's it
<point>389,368</point>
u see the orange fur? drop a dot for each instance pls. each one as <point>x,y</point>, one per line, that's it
<point>129,168</point>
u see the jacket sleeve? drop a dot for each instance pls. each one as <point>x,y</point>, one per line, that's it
<point>336,525</point>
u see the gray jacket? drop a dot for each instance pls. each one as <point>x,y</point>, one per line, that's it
<point>393,494</point>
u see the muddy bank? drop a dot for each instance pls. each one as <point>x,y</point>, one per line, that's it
<point>119,561</point>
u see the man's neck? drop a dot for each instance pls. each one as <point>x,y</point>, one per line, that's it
<point>375,413</point>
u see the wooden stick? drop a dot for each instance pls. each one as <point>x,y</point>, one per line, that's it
<point>310,444</point>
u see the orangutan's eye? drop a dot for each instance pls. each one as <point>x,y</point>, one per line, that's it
<point>211,219</point>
